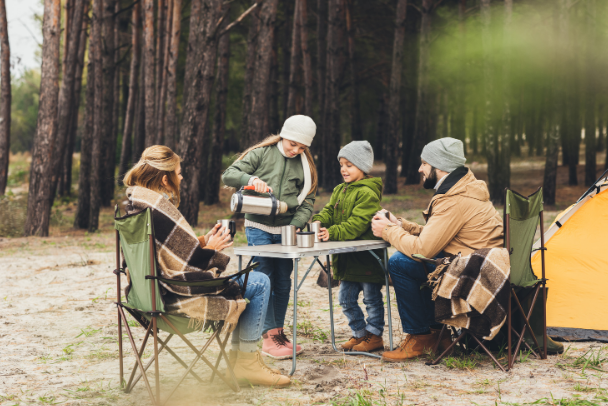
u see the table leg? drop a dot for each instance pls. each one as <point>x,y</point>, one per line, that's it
<point>388,301</point>
<point>295,315</point>
<point>331,303</point>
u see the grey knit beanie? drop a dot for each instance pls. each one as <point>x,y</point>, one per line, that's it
<point>360,154</point>
<point>446,154</point>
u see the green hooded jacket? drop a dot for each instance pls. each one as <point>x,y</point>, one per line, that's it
<point>284,175</point>
<point>348,216</point>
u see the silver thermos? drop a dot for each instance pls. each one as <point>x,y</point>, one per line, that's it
<point>267,206</point>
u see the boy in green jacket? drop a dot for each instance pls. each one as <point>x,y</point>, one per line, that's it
<point>346,217</point>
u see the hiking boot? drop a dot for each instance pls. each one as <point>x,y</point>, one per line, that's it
<point>413,346</point>
<point>249,368</point>
<point>369,343</point>
<point>446,340</point>
<point>289,343</point>
<point>348,346</point>
<point>232,355</point>
<point>275,346</point>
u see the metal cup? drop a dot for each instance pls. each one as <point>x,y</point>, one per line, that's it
<point>230,226</point>
<point>306,240</point>
<point>315,228</point>
<point>288,235</point>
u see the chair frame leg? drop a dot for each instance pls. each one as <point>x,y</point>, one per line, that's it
<point>445,352</point>
<point>526,318</point>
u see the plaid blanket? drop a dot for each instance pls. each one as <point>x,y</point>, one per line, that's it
<point>180,257</point>
<point>473,292</point>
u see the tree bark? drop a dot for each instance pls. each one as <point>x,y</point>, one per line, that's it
<point>257,125</point>
<point>336,55</point>
<point>139,136</point>
<point>285,55</point>
<point>505,147</point>
<point>5,102</point>
<point>172,56</point>
<point>590,96</point>
<point>274,126</point>
<point>321,76</point>
<point>127,134</point>
<point>422,127</point>
<point>355,111</point>
<point>306,62</point>
<point>161,18</point>
<point>39,196</point>
<point>460,110</point>
<point>394,124</point>
<point>149,98</point>
<point>294,64</point>
<point>252,37</point>
<point>212,196</point>
<point>382,120</point>
<point>163,64</point>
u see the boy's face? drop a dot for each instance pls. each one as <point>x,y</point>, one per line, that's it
<point>350,172</point>
<point>292,148</point>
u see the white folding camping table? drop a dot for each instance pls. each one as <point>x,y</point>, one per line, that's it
<point>320,249</point>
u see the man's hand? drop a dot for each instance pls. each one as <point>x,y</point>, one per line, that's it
<point>379,222</point>
<point>323,234</point>
<point>392,218</point>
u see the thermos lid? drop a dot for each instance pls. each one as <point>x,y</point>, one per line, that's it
<point>234,202</point>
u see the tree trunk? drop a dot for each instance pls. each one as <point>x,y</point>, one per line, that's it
<point>162,88</point>
<point>460,112</point>
<point>306,62</point>
<point>504,177</point>
<point>212,196</point>
<point>591,83</point>
<point>257,125</point>
<point>321,76</point>
<point>149,98</point>
<point>39,196</point>
<point>252,36</point>
<point>394,124</point>
<point>5,102</point>
<point>139,136</point>
<point>172,56</point>
<point>285,56</point>
<point>336,54</point>
<point>194,123</point>
<point>422,128</point>
<point>273,107</point>
<point>355,111</point>
<point>382,120</point>
<point>65,181</point>
<point>294,64</point>
<point>127,134</point>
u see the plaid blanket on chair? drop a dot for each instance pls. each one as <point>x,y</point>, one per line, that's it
<point>473,292</point>
<point>180,257</point>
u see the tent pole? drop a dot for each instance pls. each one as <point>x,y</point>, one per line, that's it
<point>542,253</point>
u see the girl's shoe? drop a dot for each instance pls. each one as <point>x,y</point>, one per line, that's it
<point>289,343</point>
<point>275,346</point>
<point>250,369</point>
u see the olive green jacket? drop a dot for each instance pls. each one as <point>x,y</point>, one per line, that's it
<point>284,175</point>
<point>348,216</point>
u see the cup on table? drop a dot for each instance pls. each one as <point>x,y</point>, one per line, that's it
<point>315,228</point>
<point>229,226</point>
<point>288,236</point>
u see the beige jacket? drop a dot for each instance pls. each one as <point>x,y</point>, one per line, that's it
<point>459,218</point>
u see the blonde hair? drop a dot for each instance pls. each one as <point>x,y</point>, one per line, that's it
<point>275,139</point>
<point>156,162</point>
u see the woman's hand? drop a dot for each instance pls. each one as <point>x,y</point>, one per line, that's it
<point>219,240</point>
<point>211,232</point>
<point>323,234</point>
<point>261,186</point>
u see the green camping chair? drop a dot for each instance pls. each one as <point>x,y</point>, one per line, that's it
<point>521,217</point>
<point>135,238</point>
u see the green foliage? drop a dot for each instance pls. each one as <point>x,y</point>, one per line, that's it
<point>13,211</point>
<point>464,362</point>
<point>24,110</point>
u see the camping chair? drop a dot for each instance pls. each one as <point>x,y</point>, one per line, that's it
<point>521,217</point>
<point>135,238</point>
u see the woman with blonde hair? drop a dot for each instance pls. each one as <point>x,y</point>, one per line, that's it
<point>281,164</point>
<point>154,183</point>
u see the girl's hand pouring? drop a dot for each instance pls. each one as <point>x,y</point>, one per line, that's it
<point>261,186</point>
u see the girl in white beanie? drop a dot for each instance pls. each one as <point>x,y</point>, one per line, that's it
<point>283,165</point>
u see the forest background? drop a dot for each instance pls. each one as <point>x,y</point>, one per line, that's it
<point>516,80</point>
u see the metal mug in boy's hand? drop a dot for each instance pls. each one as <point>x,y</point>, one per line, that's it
<point>267,206</point>
<point>315,228</point>
<point>230,226</point>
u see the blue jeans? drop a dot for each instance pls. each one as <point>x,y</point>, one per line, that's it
<point>249,327</point>
<point>372,298</point>
<point>416,307</point>
<point>278,271</point>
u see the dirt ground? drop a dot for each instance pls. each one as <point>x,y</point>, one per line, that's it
<point>58,333</point>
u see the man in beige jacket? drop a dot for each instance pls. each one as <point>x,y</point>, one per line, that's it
<point>459,219</point>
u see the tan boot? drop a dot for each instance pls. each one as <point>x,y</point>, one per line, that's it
<point>369,343</point>
<point>445,342</point>
<point>413,346</point>
<point>249,368</point>
<point>232,355</point>
<point>348,346</point>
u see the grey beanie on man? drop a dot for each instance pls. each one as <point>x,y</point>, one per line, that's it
<point>360,154</point>
<point>446,154</point>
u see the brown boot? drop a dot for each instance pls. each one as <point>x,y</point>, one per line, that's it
<point>446,340</point>
<point>413,346</point>
<point>249,368</point>
<point>232,355</point>
<point>370,342</point>
<point>348,346</point>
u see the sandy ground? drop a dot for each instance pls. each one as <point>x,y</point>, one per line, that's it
<point>58,345</point>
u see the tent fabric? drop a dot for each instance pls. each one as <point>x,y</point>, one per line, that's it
<point>576,266</point>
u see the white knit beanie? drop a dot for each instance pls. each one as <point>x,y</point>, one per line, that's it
<point>299,129</point>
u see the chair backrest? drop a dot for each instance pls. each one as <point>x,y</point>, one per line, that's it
<point>136,233</point>
<point>521,218</point>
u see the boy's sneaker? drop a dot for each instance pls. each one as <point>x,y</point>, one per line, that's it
<point>275,346</point>
<point>348,346</point>
<point>369,343</point>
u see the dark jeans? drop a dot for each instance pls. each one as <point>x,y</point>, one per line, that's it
<point>416,308</point>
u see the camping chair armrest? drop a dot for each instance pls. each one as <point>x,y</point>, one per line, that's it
<point>211,283</point>
<point>119,271</point>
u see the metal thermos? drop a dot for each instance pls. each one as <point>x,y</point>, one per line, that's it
<point>306,239</point>
<point>267,206</point>
<point>315,228</point>
<point>288,235</point>
<point>230,226</point>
